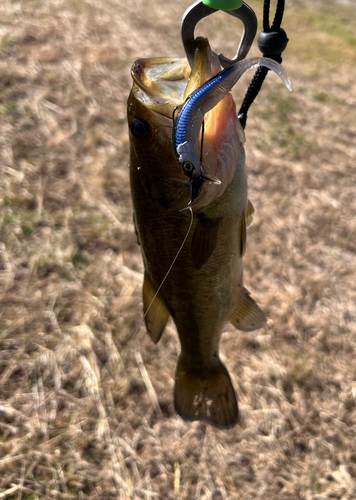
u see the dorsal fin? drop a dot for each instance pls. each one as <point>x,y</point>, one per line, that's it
<point>204,240</point>
<point>248,316</point>
<point>157,314</point>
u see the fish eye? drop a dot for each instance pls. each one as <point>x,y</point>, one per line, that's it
<point>188,167</point>
<point>139,128</point>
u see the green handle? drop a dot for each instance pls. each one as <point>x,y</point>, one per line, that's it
<point>223,4</point>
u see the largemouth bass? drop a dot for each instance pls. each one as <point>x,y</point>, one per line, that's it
<point>204,288</point>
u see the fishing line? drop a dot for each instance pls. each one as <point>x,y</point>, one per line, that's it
<point>202,143</point>
<point>169,270</point>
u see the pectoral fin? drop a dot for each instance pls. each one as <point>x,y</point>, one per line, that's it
<point>156,315</point>
<point>248,316</point>
<point>250,214</point>
<point>204,241</point>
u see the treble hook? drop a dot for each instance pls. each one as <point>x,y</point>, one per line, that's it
<point>199,10</point>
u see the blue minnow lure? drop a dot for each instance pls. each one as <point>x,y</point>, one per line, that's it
<point>188,120</point>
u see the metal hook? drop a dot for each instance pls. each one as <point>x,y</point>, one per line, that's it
<point>198,11</point>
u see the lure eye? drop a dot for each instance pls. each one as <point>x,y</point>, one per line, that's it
<point>139,128</point>
<point>188,167</point>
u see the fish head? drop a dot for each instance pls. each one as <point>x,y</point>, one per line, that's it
<point>160,87</point>
<point>150,108</point>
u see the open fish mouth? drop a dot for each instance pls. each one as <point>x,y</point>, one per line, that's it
<point>162,85</point>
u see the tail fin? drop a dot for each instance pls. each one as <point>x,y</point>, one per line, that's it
<point>205,395</point>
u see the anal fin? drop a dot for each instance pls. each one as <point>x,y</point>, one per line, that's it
<point>248,316</point>
<point>156,314</point>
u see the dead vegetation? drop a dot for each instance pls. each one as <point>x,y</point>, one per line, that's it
<point>85,410</point>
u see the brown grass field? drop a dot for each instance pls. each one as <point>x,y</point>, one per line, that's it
<point>86,411</point>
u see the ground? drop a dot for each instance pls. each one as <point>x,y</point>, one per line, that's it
<point>86,406</point>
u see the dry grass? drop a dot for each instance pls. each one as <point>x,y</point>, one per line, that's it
<point>86,412</point>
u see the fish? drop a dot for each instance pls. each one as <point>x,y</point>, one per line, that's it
<point>204,288</point>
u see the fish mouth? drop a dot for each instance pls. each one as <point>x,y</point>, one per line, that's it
<point>160,83</point>
<point>163,84</point>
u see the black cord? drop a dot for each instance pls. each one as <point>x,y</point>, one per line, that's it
<point>266,16</point>
<point>271,41</point>
<point>278,16</point>
<point>252,93</point>
<point>202,142</point>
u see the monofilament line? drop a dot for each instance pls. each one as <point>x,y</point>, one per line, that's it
<point>169,270</point>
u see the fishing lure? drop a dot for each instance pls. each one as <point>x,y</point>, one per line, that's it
<point>187,122</point>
